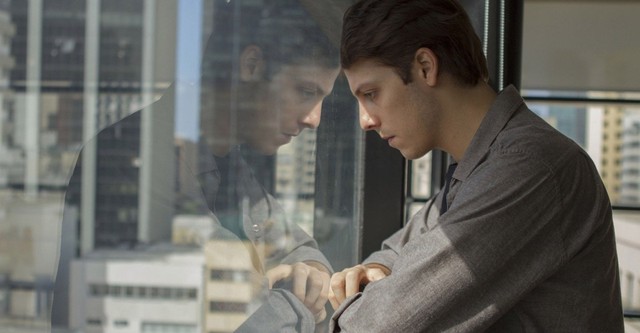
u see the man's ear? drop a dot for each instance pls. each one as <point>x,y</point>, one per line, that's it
<point>426,64</point>
<point>252,65</point>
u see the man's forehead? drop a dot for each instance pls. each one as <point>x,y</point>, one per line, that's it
<point>306,68</point>
<point>367,65</point>
<point>317,74</point>
<point>364,72</point>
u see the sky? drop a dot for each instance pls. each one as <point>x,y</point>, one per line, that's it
<point>188,56</point>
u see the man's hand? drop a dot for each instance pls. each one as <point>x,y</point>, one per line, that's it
<point>347,283</point>
<point>309,283</point>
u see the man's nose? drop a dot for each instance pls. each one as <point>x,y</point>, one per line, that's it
<point>312,119</point>
<point>367,122</point>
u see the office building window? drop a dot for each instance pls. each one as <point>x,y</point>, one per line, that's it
<point>593,98</point>
<point>215,306</point>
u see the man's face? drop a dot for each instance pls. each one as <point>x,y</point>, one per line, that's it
<point>406,115</point>
<point>285,105</point>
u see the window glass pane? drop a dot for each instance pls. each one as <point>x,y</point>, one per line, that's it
<point>159,160</point>
<point>421,177</point>
<point>566,48</point>
<point>609,133</point>
<point>581,78</point>
<point>420,185</point>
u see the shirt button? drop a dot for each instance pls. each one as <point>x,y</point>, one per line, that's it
<point>256,228</point>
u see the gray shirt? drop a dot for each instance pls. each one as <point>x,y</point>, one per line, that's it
<point>527,243</point>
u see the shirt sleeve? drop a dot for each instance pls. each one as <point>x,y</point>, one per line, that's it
<point>305,248</point>
<point>293,244</point>
<point>281,312</point>
<point>391,246</point>
<point>500,237</point>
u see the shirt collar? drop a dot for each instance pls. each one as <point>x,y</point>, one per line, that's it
<point>504,106</point>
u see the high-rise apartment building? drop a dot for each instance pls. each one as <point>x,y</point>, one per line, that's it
<point>10,166</point>
<point>629,168</point>
<point>611,150</point>
<point>81,66</point>
<point>157,289</point>
<point>295,178</point>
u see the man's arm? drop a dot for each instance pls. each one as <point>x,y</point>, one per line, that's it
<point>379,264</point>
<point>293,261</point>
<point>492,246</point>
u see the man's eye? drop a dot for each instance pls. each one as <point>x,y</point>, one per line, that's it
<point>370,95</point>
<point>308,93</point>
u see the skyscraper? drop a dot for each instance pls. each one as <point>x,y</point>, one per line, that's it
<point>81,66</point>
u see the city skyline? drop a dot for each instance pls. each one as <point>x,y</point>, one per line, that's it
<point>44,126</point>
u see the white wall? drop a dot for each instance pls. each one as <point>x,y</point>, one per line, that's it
<point>172,270</point>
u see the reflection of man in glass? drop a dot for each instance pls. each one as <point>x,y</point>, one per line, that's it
<point>282,69</point>
<point>266,69</point>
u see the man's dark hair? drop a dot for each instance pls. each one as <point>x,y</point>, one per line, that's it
<point>283,29</point>
<point>391,31</point>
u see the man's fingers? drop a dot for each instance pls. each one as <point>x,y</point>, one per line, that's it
<point>278,273</point>
<point>316,290</point>
<point>333,300</point>
<point>353,278</point>
<point>375,274</point>
<point>337,292</point>
<point>309,284</point>
<point>300,275</point>
<point>346,283</point>
<point>319,316</point>
<point>321,300</point>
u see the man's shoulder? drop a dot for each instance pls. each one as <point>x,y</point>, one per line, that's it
<point>126,127</point>
<point>528,134</point>
<point>129,127</point>
<point>529,147</point>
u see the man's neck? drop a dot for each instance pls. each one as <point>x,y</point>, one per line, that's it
<point>464,109</point>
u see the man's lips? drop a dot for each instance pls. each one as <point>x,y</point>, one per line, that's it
<point>292,132</point>
<point>287,137</point>
<point>389,139</point>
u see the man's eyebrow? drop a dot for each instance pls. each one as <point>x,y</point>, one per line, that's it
<point>365,84</point>
<point>360,88</point>
<point>313,85</point>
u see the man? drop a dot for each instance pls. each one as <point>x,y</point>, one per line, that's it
<point>521,237</point>
<point>266,69</point>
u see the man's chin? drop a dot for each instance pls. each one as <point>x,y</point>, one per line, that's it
<point>410,155</point>
<point>267,149</point>
<point>413,155</point>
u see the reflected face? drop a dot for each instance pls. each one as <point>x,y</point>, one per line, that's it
<point>284,106</point>
<point>405,115</point>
